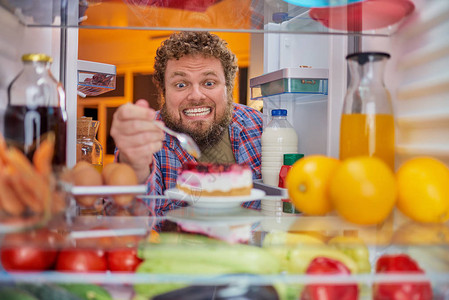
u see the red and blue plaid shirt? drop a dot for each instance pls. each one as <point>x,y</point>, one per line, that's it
<point>245,133</point>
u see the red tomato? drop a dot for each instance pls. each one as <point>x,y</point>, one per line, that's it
<point>124,260</point>
<point>324,265</point>
<point>401,290</point>
<point>81,260</point>
<point>29,251</point>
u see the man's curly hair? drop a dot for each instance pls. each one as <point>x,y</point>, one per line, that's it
<point>191,43</point>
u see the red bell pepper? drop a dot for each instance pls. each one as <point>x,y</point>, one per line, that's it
<point>328,266</point>
<point>400,263</point>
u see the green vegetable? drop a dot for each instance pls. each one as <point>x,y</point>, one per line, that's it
<point>187,254</point>
<point>87,291</point>
<point>238,257</point>
<point>174,267</point>
<point>45,291</point>
<point>10,293</point>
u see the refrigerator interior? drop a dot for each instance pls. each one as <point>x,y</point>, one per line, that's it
<point>417,75</point>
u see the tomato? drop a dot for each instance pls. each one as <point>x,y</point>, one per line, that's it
<point>400,263</point>
<point>124,260</point>
<point>29,251</point>
<point>327,266</point>
<point>81,260</point>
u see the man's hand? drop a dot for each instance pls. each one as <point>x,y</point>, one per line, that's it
<point>136,136</point>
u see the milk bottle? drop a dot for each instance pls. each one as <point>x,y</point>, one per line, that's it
<point>278,138</point>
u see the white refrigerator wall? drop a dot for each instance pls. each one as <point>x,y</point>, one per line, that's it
<point>422,93</point>
<point>316,118</point>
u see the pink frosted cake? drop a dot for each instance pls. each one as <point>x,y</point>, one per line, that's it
<point>207,179</point>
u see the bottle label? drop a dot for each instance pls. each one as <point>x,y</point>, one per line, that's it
<point>32,130</point>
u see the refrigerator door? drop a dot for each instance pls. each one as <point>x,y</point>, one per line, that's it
<point>41,27</point>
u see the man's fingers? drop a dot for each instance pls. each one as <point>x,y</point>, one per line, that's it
<point>142,103</point>
<point>144,138</point>
<point>130,111</point>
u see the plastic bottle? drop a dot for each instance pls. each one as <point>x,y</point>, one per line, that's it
<point>278,138</point>
<point>367,123</point>
<point>36,106</point>
<point>289,160</point>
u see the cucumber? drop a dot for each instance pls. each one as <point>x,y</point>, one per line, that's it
<point>173,266</point>
<point>45,291</point>
<point>10,293</point>
<point>187,254</point>
<point>87,291</point>
<point>239,258</point>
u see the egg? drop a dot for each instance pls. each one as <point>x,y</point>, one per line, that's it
<point>107,169</point>
<point>120,174</point>
<point>84,174</point>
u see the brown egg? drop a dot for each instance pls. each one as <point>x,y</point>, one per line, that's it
<point>107,169</point>
<point>84,174</point>
<point>121,174</point>
<point>82,164</point>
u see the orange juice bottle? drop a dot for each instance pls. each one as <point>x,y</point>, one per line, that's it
<point>367,122</point>
<point>373,135</point>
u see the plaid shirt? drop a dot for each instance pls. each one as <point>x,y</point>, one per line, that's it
<point>245,132</point>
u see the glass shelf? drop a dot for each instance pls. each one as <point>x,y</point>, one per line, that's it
<point>426,244</point>
<point>220,16</point>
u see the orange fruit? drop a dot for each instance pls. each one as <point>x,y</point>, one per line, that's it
<point>423,184</point>
<point>307,184</point>
<point>363,190</point>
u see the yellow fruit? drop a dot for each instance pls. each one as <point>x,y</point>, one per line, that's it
<point>413,233</point>
<point>321,227</point>
<point>299,258</point>
<point>307,184</point>
<point>363,190</point>
<point>423,185</point>
<point>282,238</point>
<point>355,248</point>
<point>280,244</point>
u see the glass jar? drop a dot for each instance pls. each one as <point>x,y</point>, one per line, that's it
<point>367,123</point>
<point>36,106</point>
<point>88,148</point>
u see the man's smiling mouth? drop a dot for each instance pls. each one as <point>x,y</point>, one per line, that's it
<point>196,112</point>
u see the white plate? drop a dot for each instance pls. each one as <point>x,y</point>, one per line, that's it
<point>206,217</point>
<point>214,202</point>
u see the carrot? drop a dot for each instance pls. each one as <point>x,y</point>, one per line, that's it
<point>3,152</point>
<point>30,184</point>
<point>43,155</point>
<point>8,199</point>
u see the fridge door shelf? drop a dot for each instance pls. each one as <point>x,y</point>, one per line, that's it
<point>290,80</point>
<point>95,78</point>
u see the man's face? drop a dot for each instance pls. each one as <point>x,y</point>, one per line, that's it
<point>196,101</point>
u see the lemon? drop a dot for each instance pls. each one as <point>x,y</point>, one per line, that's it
<point>423,185</point>
<point>307,184</point>
<point>363,190</point>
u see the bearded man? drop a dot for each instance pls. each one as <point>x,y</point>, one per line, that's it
<point>195,73</point>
